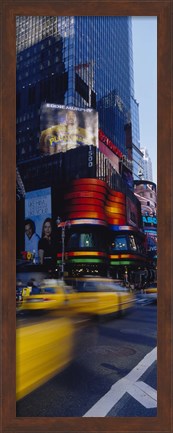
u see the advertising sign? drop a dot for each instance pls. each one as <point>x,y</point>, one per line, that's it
<point>150,230</point>
<point>132,213</point>
<point>37,209</point>
<point>151,242</point>
<point>149,220</point>
<point>110,155</point>
<point>104,139</point>
<point>127,176</point>
<point>63,128</point>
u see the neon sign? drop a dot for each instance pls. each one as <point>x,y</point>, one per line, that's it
<point>108,143</point>
<point>149,220</point>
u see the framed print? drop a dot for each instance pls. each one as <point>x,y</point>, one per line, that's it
<point>67,206</point>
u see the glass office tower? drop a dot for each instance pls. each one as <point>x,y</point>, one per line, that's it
<point>137,156</point>
<point>75,61</point>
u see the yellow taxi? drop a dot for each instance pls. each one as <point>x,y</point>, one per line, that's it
<point>45,345</point>
<point>99,296</point>
<point>150,292</point>
<point>42,350</point>
<point>86,296</point>
<point>50,295</point>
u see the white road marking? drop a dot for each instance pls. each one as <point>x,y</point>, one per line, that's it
<point>147,389</point>
<point>143,393</point>
<point>116,392</point>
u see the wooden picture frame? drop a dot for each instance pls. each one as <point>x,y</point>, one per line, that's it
<point>163,10</point>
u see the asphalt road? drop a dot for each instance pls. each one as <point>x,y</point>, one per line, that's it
<point>114,372</point>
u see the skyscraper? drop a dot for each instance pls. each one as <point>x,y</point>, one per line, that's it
<point>147,165</point>
<point>75,61</point>
<point>135,139</point>
<point>77,64</point>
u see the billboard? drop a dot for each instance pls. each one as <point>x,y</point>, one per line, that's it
<point>151,239</point>
<point>150,230</point>
<point>132,213</point>
<point>127,176</point>
<point>110,155</point>
<point>63,128</point>
<point>37,209</point>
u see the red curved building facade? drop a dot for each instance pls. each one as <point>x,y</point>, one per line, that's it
<point>100,238</point>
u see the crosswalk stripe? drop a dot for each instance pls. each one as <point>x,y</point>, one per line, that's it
<point>116,392</point>
<point>144,394</point>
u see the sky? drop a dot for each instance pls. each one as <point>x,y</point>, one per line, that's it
<point>144,33</point>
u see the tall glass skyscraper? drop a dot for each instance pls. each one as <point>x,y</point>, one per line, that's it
<point>137,156</point>
<point>75,61</point>
<point>147,166</point>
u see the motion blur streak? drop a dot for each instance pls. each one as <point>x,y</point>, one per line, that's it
<point>42,350</point>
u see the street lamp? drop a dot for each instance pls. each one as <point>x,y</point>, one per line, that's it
<point>63,225</point>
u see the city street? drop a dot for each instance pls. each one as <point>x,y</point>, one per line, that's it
<point>86,207</point>
<point>114,372</point>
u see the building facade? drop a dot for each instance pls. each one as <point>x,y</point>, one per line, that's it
<point>146,192</point>
<point>61,60</point>
<point>80,186</point>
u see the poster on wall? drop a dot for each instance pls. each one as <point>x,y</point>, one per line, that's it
<point>37,209</point>
<point>63,128</point>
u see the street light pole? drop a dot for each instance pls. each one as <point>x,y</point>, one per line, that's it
<point>63,249</point>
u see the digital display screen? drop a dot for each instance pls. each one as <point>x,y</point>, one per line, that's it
<point>63,128</point>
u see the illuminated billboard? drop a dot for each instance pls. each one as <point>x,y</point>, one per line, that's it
<point>37,209</point>
<point>132,213</point>
<point>151,239</point>
<point>110,155</point>
<point>150,230</point>
<point>63,128</point>
<point>127,176</point>
<point>149,221</point>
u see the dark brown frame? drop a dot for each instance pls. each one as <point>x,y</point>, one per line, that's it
<point>163,10</point>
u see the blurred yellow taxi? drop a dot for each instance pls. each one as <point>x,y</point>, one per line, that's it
<point>99,296</point>
<point>21,290</point>
<point>50,295</point>
<point>42,350</point>
<point>45,345</point>
<point>84,296</point>
<point>46,341</point>
<point>151,292</point>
